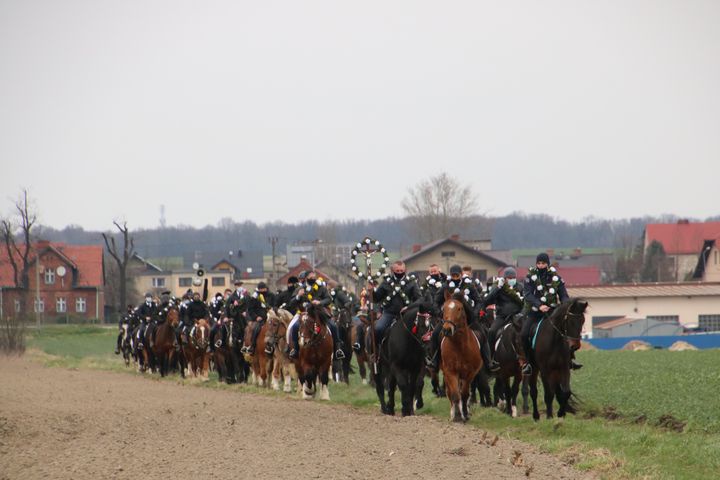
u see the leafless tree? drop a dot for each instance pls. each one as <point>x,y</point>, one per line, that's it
<point>122,258</point>
<point>438,206</point>
<point>13,338</point>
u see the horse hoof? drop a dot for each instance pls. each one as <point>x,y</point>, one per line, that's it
<point>419,404</point>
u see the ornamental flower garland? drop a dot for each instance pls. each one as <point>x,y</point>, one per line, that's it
<point>369,243</point>
<point>548,293</point>
<point>398,289</point>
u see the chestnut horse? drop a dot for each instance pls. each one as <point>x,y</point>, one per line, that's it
<point>163,348</point>
<point>195,350</point>
<point>460,355</point>
<point>316,351</point>
<point>276,337</point>
<point>556,338</point>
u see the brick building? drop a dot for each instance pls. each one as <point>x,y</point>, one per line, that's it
<point>67,282</point>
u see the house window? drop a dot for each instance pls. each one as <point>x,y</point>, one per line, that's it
<point>80,305</point>
<point>158,282</point>
<point>448,254</point>
<point>61,305</point>
<point>709,323</point>
<point>218,281</point>
<point>664,318</point>
<point>480,275</point>
<point>17,306</point>
<point>49,276</point>
<point>185,281</point>
<point>39,305</point>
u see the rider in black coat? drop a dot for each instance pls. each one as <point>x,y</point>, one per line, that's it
<point>543,291</point>
<point>506,295</point>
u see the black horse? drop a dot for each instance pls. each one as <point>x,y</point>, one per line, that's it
<point>229,362</point>
<point>402,358</point>
<point>341,367</point>
<point>507,354</point>
<point>557,338</point>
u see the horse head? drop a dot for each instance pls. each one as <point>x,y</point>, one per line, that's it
<point>568,320</point>
<point>455,314</point>
<point>276,327</point>
<point>173,317</point>
<point>201,336</point>
<point>312,326</point>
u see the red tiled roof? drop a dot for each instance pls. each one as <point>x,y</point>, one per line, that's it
<point>681,238</point>
<point>88,259</point>
<point>589,275</point>
<point>304,266</point>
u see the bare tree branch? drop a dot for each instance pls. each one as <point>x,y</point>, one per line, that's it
<point>438,206</point>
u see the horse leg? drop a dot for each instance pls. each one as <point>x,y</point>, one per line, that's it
<point>419,386</point>
<point>361,368</point>
<point>513,394</point>
<point>563,397</point>
<point>453,395</point>
<point>380,389</point>
<point>525,392</point>
<point>324,378</point>
<point>549,388</point>
<point>465,399</point>
<point>474,386</point>
<point>276,370</point>
<point>505,386</point>
<point>533,394</point>
<point>392,384</point>
<point>346,367</point>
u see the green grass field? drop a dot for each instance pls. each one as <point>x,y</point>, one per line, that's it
<point>617,432</point>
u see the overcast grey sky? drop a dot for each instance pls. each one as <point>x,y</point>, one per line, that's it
<point>291,110</point>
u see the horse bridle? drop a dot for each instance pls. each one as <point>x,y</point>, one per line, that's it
<point>564,322</point>
<point>455,326</point>
<point>316,337</point>
<point>425,316</point>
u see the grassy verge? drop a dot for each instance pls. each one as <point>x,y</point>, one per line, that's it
<point>648,414</point>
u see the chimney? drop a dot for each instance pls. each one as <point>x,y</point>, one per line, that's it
<point>455,237</point>
<point>416,248</point>
<point>40,244</point>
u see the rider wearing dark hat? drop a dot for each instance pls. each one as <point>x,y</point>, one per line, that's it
<point>257,307</point>
<point>505,296</point>
<point>543,291</point>
<point>146,312</point>
<point>312,291</point>
<point>283,297</point>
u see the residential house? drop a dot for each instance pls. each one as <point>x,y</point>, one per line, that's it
<point>65,282</point>
<point>682,241</point>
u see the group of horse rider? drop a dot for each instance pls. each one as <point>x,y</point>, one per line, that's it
<point>537,296</point>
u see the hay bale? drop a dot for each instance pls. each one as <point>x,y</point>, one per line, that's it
<point>587,346</point>
<point>637,346</point>
<point>681,346</point>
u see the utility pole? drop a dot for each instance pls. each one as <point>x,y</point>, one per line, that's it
<point>37,291</point>
<point>273,240</point>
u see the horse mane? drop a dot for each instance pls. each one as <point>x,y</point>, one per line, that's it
<point>564,307</point>
<point>318,313</point>
<point>284,316</point>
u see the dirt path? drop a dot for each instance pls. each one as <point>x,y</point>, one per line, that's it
<point>59,423</point>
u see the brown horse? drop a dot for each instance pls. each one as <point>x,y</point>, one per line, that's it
<point>259,360</point>
<point>164,346</point>
<point>195,350</point>
<point>315,354</point>
<point>460,355</point>
<point>557,337</point>
<point>276,337</point>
